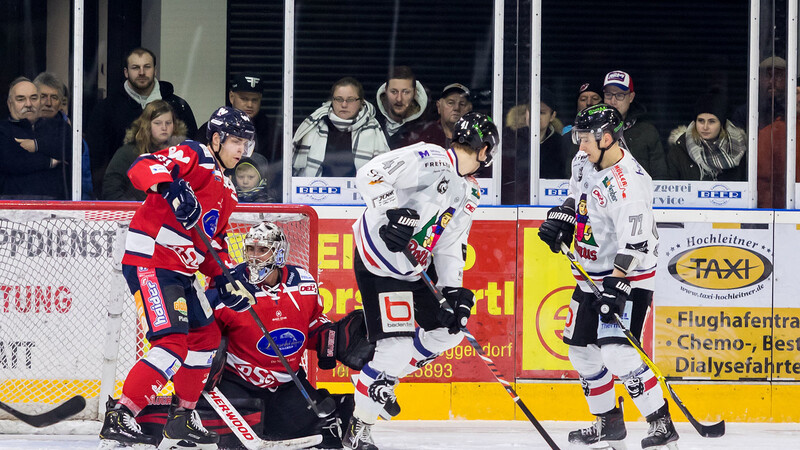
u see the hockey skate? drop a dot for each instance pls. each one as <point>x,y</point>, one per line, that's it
<point>358,436</point>
<point>607,432</point>
<point>120,430</point>
<point>184,430</point>
<point>390,408</point>
<point>662,433</point>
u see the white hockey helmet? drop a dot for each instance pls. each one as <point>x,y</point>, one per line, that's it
<point>268,235</point>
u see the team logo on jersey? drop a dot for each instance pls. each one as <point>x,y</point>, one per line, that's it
<point>442,187</point>
<point>307,288</point>
<point>432,231</point>
<point>180,306</point>
<point>288,340</point>
<point>599,197</point>
<point>470,207</point>
<point>583,231</point>
<point>210,221</point>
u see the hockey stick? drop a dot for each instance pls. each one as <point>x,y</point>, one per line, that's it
<point>69,408</point>
<point>715,430</point>
<point>477,346</point>
<point>324,408</point>
<point>245,432</point>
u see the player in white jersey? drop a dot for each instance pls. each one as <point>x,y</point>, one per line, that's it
<point>421,199</point>
<point>617,243</point>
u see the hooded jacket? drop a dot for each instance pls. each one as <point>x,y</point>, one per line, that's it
<point>400,134</point>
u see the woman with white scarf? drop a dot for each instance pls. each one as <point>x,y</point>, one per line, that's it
<point>340,136</point>
<point>711,148</point>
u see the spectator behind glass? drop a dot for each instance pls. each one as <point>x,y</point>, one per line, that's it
<point>156,128</point>
<point>517,147</point>
<point>53,103</point>
<point>590,93</point>
<point>340,136</point>
<point>251,178</point>
<point>35,151</point>
<point>641,137</point>
<point>772,162</point>
<point>110,119</point>
<point>402,102</point>
<point>706,149</point>
<point>771,94</point>
<point>453,103</point>
<point>245,93</point>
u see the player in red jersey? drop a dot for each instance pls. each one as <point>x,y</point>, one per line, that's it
<point>185,186</point>
<point>290,308</point>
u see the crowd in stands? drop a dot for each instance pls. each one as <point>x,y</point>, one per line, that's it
<point>350,128</point>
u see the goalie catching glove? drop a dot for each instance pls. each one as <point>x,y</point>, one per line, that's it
<point>345,341</point>
<point>616,292</point>
<point>461,300</point>
<point>238,295</point>
<point>559,226</point>
<point>400,228</point>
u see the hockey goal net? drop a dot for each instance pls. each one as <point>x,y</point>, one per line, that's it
<point>68,323</point>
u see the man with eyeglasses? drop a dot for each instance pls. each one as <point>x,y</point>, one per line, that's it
<point>402,102</point>
<point>454,103</point>
<point>640,137</point>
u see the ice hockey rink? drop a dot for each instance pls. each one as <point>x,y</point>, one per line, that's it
<point>457,434</point>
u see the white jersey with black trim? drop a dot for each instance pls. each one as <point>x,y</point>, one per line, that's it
<point>423,177</point>
<point>614,216</point>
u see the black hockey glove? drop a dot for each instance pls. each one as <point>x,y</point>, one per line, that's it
<point>180,197</point>
<point>400,228</point>
<point>559,227</point>
<point>461,300</point>
<point>616,292</point>
<point>238,295</point>
<point>345,341</point>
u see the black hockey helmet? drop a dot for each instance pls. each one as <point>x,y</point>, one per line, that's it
<point>475,130</point>
<point>229,121</point>
<point>598,119</point>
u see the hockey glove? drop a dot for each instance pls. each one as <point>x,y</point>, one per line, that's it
<point>616,292</point>
<point>559,227</point>
<point>238,295</point>
<point>400,228</point>
<point>461,300</point>
<point>180,197</point>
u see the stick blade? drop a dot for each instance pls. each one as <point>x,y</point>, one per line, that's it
<point>710,431</point>
<point>326,407</point>
<point>63,411</point>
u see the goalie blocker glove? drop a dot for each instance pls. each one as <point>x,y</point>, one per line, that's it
<point>461,300</point>
<point>345,341</point>
<point>180,197</point>
<point>238,295</point>
<point>616,292</point>
<point>400,228</point>
<point>559,226</point>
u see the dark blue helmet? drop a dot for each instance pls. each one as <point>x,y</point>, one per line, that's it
<point>229,121</point>
<point>475,130</point>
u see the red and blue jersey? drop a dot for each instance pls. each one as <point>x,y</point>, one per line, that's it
<point>155,237</point>
<point>291,312</point>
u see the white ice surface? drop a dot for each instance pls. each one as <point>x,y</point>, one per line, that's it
<point>469,435</point>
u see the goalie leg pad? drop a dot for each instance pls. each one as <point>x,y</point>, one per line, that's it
<point>596,380</point>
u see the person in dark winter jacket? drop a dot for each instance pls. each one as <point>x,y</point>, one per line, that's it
<point>402,103</point>
<point>36,152</point>
<point>517,149</point>
<point>105,131</point>
<point>155,129</point>
<point>641,137</point>
<point>711,147</point>
<point>254,181</point>
<point>454,103</point>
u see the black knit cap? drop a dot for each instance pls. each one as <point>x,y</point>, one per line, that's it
<point>712,103</point>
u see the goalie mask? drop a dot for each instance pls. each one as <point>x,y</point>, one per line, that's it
<point>267,249</point>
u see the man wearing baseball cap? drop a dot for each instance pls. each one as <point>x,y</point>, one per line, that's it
<point>641,137</point>
<point>453,103</point>
<point>245,92</point>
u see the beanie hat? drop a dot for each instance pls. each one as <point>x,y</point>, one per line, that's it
<point>712,103</point>
<point>590,86</point>
<point>546,96</point>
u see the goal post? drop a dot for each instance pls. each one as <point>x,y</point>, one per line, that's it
<point>68,323</point>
